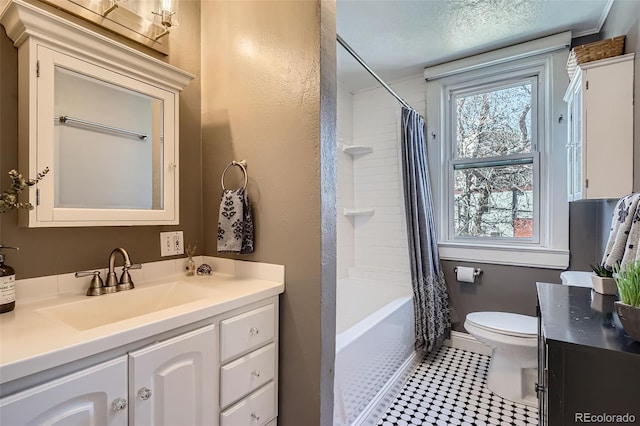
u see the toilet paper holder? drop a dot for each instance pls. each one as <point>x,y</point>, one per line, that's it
<point>476,271</point>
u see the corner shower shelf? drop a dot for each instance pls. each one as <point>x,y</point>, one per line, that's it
<point>357,149</point>
<point>359,212</point>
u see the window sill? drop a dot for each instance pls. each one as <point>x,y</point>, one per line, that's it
<point>535,257</point>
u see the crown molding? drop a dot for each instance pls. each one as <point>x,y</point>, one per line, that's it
<point>24,21</point>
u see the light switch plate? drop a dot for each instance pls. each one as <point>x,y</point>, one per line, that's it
<point>171,243</point>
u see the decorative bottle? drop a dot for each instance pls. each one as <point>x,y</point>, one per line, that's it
<point>7,284</point>
<point>191,264</point>
<point>191,267</point>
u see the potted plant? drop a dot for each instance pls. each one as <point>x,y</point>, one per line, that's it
<point>628,307</point>
<point>9,201</point>
<point>9,197</point>
<point>602,280</point>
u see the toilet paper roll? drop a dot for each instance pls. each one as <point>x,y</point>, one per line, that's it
<point>465,274</point>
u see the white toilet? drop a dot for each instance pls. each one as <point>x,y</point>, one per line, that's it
<point>513,339</point>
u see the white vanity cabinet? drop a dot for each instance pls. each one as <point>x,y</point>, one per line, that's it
<point>174,382</point>
<point>169,383</point>
<point>248,375</point>
<point>93,396</point>
<point>218,371</point>
<point>600,129</point>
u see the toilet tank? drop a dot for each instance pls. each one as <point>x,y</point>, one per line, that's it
<point>576,278</point>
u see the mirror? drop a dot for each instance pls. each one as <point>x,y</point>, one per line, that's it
<point>108,146</point>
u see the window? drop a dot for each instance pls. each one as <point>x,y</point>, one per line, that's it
<point>497,156</point>
<point>494,170</point>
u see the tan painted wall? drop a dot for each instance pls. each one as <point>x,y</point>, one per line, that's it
<point>53,251</point>
<point>261,102</point>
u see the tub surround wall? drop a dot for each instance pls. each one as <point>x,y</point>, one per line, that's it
<point>374,180</point>
<point>345,194</point>
<point>381,240</point>
<point>269,97</point>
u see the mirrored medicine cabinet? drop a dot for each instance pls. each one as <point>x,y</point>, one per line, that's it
<point>103,117</point>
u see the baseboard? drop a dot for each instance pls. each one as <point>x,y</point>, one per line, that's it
<point>467,342</point>
<point>376,408</point>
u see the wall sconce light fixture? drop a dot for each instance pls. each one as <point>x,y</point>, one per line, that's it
<point>136,20</point>
<point>166,10</point>
<point>110,7</point>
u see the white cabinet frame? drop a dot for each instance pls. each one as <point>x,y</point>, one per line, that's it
<point>600,129</point>
<point>35,32</point>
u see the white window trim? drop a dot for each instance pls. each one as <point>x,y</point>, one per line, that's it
<point>552,250</point>
<point>536,126</point>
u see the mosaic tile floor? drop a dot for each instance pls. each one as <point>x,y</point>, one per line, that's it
<point>447,388</point>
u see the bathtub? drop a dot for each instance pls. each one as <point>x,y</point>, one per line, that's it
<point>374,348</point>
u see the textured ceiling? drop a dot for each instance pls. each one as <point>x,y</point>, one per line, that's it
<point>398,38</point>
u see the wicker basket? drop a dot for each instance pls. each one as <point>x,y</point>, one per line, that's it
<point>594,52</point>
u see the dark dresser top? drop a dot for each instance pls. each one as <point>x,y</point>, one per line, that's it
<point>580,316</point>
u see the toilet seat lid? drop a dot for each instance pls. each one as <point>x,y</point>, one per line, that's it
<point>505,323</point>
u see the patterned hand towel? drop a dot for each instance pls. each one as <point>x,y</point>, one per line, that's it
<point>633,239</point>
<point>621,226</point>
<point>235,222</point>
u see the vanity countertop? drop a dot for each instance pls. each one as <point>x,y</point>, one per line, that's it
<point>32,341</point>
<point>580,316</point>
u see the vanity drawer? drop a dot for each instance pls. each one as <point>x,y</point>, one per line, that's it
<point>244,375</point>
<point>247,331</point>
<point>257,409</point>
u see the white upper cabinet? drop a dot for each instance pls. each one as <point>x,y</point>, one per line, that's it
<point>600,129</point>
<point>102,117</point>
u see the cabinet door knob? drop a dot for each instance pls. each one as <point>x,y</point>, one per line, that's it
<point>255,374</point>
<point>144,393</point>
<point>255,418</point>
<point>119,404</point>
<point>253,331</point>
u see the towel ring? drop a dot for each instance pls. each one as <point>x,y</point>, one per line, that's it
<point>243,165</point>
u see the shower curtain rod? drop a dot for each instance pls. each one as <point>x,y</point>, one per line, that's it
<point>366,67</point>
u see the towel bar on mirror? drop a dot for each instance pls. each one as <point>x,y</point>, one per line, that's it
<point>243,165</point>
<point>65,119</point>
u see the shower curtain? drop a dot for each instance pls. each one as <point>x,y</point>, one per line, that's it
<point>430,297</point>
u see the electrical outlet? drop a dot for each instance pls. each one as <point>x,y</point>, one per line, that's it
<point>165,244</point>
<point>178,243</point>
<point>171,243</point>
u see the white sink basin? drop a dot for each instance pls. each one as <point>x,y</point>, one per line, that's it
<point>109,308</point>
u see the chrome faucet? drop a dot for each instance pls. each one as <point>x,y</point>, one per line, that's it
<point>97,287</point>
<point>112,284</point>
